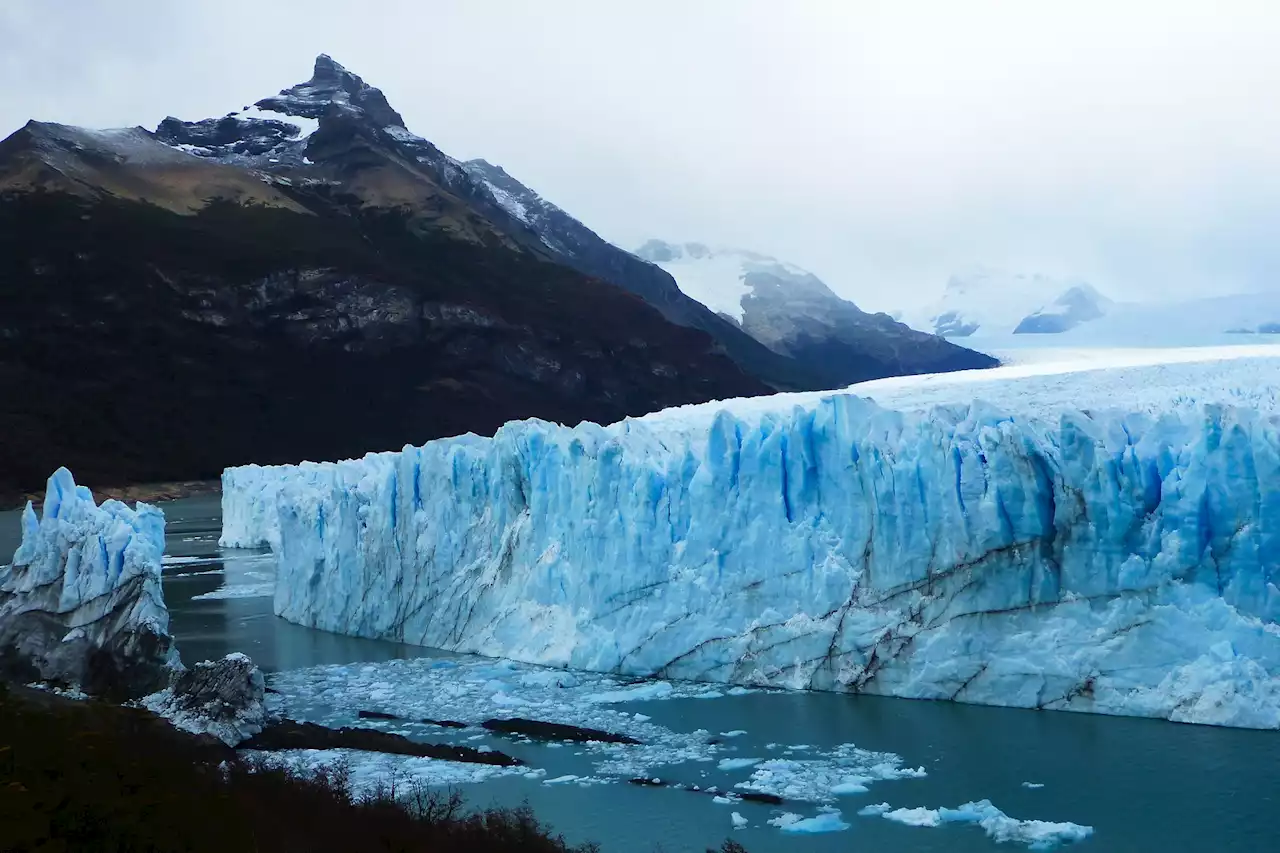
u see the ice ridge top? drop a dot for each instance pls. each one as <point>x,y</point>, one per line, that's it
<point>1116,562</point>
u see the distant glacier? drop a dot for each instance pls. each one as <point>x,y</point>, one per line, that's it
<point>1118,555</point>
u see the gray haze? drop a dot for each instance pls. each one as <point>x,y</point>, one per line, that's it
<point>881,145</point>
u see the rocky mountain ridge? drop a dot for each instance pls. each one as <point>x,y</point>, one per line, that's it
<point>793,312</point>
<point>305,277</point>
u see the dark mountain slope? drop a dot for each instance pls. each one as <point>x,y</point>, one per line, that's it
<point>138,344</point>
<point>338,128</point>
<point>575,244</point>
<point>127,163</point>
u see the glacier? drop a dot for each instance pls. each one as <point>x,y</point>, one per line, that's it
<point>81,602</point>
<point>1092,540</point>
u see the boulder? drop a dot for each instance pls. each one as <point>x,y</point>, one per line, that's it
<point>222,698</point>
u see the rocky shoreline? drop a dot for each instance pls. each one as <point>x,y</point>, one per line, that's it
<point>131,494</point>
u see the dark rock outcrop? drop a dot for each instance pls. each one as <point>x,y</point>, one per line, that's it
<point>381,715</point>
<point>539,730</point>
<point>223,698</point>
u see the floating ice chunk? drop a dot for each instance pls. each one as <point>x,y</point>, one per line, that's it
<point>875,810</point>
<point>739,822</point>
<point>826,821</point>
<point>1035,834</point>
<point>650,690</point>
<point>914,817</point>
<point>737,763</point>
<point>846,770</point>
<point>850,786</point>
<point>372,770</point>
<point>265,589</point>
<point>726,800</point>
<point>734,733</point>
<point>549,678</point>
<point>560,779</point>
<point>1033,784</point>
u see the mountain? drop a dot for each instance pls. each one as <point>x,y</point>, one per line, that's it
<point>577,246</point>
<point>1078,304</point>
<point>791,311</point>
<point>986,301</point>
<point>335,127</point>
<point>301,279</point>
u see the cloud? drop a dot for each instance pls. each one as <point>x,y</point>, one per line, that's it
<point>880,144</point>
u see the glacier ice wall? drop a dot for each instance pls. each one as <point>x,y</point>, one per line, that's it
<point>82,602</point>
<point>1108,562</point>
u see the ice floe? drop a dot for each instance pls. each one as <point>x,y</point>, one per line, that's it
<point>373,771</point>
<point>1035,834</point>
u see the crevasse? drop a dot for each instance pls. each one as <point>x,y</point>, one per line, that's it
<point>1112,562</point>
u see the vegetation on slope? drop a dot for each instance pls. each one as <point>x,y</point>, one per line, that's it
<point>138,345</point>
<point>90,776</point>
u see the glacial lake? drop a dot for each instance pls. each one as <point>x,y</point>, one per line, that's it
<point>1143,785</point>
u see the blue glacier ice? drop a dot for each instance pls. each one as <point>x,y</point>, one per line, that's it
<point>81,602</point>
<point>1121,560</point>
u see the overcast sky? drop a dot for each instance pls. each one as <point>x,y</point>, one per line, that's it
<point>881,145</point>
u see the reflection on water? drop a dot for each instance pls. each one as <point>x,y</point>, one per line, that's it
<point>1144,785</point>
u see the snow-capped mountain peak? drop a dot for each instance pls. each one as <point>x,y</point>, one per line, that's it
<point>794,313</point>
<point>333,87</point>
<point>721,278</point>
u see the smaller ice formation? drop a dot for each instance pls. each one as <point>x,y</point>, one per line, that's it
<point>82,604</point>
<point>222,698</point>
<point>827,820</point>
<point>1035,834</point>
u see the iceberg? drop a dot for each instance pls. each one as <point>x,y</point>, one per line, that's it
<point>81,603</point>
<point>1079,550</point>
<point>1035,834</point>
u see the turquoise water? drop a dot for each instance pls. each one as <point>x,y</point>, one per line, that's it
<point>1144,785</point>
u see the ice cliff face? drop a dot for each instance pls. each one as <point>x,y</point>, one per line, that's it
<point>82,603</point>
<point>1112,562</point>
